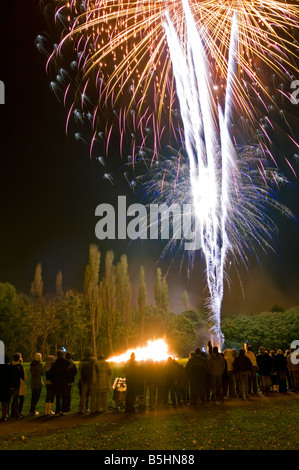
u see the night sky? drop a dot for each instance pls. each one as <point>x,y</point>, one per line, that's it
<point>49,190</point>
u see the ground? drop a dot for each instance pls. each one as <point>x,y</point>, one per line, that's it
<point>33,424</point>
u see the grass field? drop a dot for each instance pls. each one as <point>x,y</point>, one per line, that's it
<point>262,423</point>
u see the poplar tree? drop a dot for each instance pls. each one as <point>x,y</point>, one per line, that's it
<point>124,293</point>
<point>142,301</point>
<point>109,300</point>
<point>59,283</point>
<point>186,300</point>
<point>158,288</point>
<point>93,294</point>
<point>164,295</point>
<point>37,286</point>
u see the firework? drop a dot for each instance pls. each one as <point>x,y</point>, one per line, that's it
<point>220,186</point>
<point>112,69</point>
<point>132,65</point>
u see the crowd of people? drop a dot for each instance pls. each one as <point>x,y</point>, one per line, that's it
<point>58,375</point>
<point>212,376</point>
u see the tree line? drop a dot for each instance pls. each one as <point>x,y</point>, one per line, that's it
<point>106,317</point>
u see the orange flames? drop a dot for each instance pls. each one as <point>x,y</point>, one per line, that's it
<point>156,350</point>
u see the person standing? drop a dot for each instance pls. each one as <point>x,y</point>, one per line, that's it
<point>5,387</point>
<point>280,366</point>
<point>216,364</point>
<point>273,373</point>
<point>150,382</point>
<point>243,367</point>
<point>88,377</point>
<point>197,371</point>
<point>50,393</point>
<point>22,389</point>
<point>72,372</point>
<point>133,381</point>
<point>17,373</point>
<point>103,384</point>
<point>293,368</point>
<point>230,384</point>
<point>37,372</point>
<point>60,379</point>
<point>252,386</point>
<point>264,363</point>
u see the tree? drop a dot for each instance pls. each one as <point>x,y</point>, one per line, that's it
<point>277,308</point>
<point>59,283</point>
<point>8,321</point>
<point>186,300</point>
<point>35,323</point>
<point>74,318</point>
<point>124,294</point>
<point>158,288</point>
<point>164,295</point>
<point>37,285</point>
<point>93,294</point>
<point>180,334</point>
<point>108,295</point>
<point>142,301</point>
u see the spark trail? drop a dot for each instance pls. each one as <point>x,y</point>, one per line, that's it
<point>208,146</point>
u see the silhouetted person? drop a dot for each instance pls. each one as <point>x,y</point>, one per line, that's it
<point>134,381</point>
<point>197,371</point>
<point>264,363</point>
<point>280,366</point>
<point>88,378</point>
<point>59,375</point>
<point>243,368</point>
<point>72,372</point>
<point>5,387</point>
<point>216,364</point>
<point>37,372</point>
<point>17,373</point>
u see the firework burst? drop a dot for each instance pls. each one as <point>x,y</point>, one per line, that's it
<point>132,65</point>
<point>111,65</point>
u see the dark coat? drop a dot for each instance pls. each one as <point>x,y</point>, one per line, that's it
<point>59,372</point>
<point>280,363</point>
<point>196,367</point>
<point>72,371</point>
<point>242,363</point>
<point>88,370</point>
<point>5,382</point>
<point>17,373</point>
<point>264,363</point>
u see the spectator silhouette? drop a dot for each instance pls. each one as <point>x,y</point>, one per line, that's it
<point>216,364</point>
<point>264,363</point>
<point>243,368</point>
